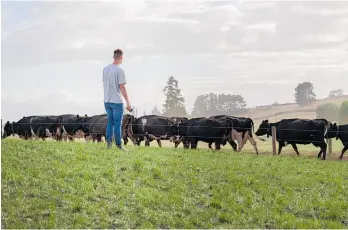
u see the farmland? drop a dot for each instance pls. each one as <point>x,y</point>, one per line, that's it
<point>291,110</point>
<point>47,184</point>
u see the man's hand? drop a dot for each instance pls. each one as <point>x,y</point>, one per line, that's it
<point>129,107</point>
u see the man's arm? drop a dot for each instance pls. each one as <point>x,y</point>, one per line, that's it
<point>122,84</point>
<point>124,93</point>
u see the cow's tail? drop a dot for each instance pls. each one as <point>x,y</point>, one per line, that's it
<point>253,131</point>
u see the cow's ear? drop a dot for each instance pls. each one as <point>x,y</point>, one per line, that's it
<point>8,122</point>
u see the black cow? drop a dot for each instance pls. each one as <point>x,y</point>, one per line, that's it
<point>126,120</point>
<point>339,132</point>
<point>70,125</point>
<point>148,128</point>
<point>45,126</point>
<point>202,129</point>
<point>95,127</point>
<point>243,128</point>
<point>297,131</point>
<point>21,128</point>
<point>8,129</point>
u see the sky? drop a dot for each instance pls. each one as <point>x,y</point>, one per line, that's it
<point>53,53</point>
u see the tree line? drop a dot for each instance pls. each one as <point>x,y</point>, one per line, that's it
<point>230,104</point>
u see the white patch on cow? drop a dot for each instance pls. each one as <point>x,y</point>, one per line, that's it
<point>64,131</point>
<point>174,119</point>
<point>32,132</point>
<point>143,120</point>
<point>48,133</point>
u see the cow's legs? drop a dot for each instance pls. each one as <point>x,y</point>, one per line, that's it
<point>281,144</point>
<point>217,145</point>
<point>233,145</point>
<point>244,140</point>
<point>231,142</point>
<point>194,144</point>
<point>159,143</point>
<point>125,140</point>
<point>294,146</point>
<point>209,145</point>
<point>254,144</point>
<point>345,148</point>
<point>176,144</point>
<point>239,139</point>
<point>147,140</point>
<point>323,147</point>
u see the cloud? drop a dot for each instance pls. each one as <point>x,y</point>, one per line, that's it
<point>232,47</point>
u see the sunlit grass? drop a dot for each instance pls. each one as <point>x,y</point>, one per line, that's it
<point>47,184</point>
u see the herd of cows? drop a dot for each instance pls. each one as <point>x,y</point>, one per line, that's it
<point>216,129</point>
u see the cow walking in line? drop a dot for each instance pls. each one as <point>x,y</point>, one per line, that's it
<point>297,131</point>
<point>201,129</point>
<point>70,125</point>
<point>339,132</point>
<point>242,131</point>
<point>149,128</point>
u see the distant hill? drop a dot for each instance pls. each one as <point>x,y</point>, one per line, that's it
<point>290,110</point>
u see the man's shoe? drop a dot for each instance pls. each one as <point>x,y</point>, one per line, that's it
<point>108,145</point>
<point>121,148</point>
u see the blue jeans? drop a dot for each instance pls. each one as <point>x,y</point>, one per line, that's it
<point>114,113</point>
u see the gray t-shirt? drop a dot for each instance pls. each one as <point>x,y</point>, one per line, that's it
<point>113,75</point>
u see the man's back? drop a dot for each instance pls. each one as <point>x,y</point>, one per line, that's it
<point>113,76</point>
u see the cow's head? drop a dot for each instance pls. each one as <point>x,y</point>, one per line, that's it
<point>85,126</point>
<point>263,128</point>
<point>174,132</point>
<point>80,122</point>
<point>8,129</point>
<point>332,131</point>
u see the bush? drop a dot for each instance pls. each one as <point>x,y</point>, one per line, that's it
<point>328,111</point>
<point>343,113</point>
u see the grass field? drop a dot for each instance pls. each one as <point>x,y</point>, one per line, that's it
<point>77,185</point>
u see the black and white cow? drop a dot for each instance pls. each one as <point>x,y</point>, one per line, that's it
<point>242,131</point>
<point>45,126</point>
<point>202,129</point>
<point>70,125</point>
<point>95,127</point>
<point>148,128</point>
<point>298,131</point>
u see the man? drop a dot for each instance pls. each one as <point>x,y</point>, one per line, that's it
<point>114,83</point>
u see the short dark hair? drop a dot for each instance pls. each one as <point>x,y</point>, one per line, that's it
<point>118,53</point>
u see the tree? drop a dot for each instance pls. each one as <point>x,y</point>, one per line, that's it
<point>214,104</point>
<point>336,93</point>
<point>174,104</point>
<point>230,104</point>
<point>304,93</point>
<point>155,111</point>
<point>343,113</point>
<point>328,111</point>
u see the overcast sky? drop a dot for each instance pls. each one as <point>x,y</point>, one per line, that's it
<point>53,53</point>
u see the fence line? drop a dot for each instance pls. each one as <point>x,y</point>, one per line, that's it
<point>184,126</point>
<point>274,140</point>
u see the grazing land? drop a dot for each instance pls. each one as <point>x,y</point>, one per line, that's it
<point>292,110</point>
<point>47,184</point>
